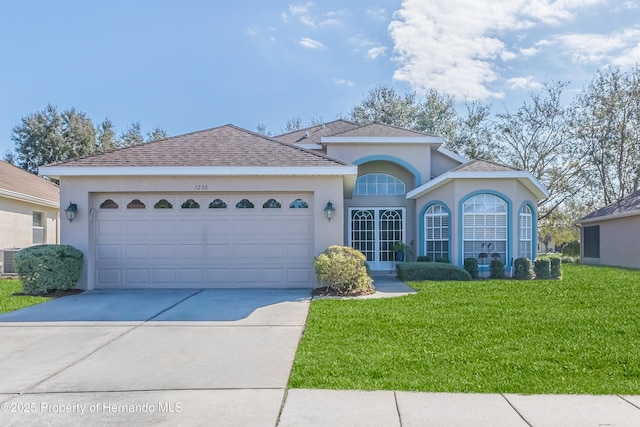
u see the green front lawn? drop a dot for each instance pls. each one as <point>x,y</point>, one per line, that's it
<point>576,335</point>
<point>10,302</point>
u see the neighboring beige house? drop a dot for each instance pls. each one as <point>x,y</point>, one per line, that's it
<point>226,207</point>
<point>611,235</point>
<point>29,211</point>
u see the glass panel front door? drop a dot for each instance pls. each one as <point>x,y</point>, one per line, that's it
<point>374,232</point>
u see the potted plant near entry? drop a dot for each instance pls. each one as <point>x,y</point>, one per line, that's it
<point>401,251</point>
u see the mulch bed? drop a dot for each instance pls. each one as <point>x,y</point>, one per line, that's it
<point>331,292</point>
<point>53,294</point>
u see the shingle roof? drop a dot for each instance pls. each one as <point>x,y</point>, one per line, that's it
<point>316,132</point>
<point>19,181</point>
<point>377,130</point>
<point>226,145</point>
<point>483,166</point>
<point>627,205</point>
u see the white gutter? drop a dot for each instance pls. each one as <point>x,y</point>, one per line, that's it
<point>31,199</point>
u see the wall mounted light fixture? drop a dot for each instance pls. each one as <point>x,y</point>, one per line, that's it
<point>71,211</point>
<point>329,211</point>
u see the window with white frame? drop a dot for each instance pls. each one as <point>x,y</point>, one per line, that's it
<point>526,232</point>
<point>436,232</point>
<point>38,228</point>
<point>484,222</point>
<point>378,184</point>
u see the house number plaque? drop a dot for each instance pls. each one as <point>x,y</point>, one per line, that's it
<point>201,187</point>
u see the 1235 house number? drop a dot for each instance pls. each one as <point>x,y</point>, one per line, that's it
<point>201,187</point>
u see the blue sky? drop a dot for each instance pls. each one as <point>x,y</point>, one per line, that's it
<point>195,64</point>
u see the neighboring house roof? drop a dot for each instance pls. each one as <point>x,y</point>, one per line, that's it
<point>627,206</point>
<point>224,150</point>
<point>312,135</point>
<point>16,183</point>
<point>481,169</point>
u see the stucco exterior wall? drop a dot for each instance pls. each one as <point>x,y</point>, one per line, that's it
<point>414,157</point>
<point>454,192</point>
<point>80,190</point>
<point>619,242</point>
<point>16,223</point>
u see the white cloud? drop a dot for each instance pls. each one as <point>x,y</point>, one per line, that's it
<point>343,82</point>
<point>252,31</point>
<point>374,52</point>
<point>311,43</point>
<point>301,11</point>
<point>380,13</point>
<point>331,22</point>
<point>453,45</point>
<point>620,47</point>
<point>284,17</point>
<point>523,83</point>
<point>528,51</point>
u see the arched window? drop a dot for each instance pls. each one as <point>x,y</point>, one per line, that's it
<point>244,204</point>
<point>163,204</point>
<point>299,204</point>
<point>217,204</point>
<point>190,204</point>
<point>484,222</point>
<point>109,204</point>
<point>526,232</point>
<point>272,204</point>
<point>378,184</point>
<point>436,232</point>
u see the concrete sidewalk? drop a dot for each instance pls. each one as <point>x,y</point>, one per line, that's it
<point>408,409</point>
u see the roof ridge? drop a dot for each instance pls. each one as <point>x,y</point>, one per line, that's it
<point>360,126</point>
<point>315,126</point>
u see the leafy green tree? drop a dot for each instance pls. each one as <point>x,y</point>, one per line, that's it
<point>156,134</point>
<point>538,138</point>
<point>49,136</point>
<point>132,136</point>
<point>607,123</point>
<point>106,136</point>
<point>384,105</point>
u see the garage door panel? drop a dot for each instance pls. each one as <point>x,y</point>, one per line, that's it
<point>163,251</point>
<point>163,275</point>
<point>136,251</point>
<point>108,252</point>
<point>224,247</point>
<point>135,227</point>
<point>136,276</point>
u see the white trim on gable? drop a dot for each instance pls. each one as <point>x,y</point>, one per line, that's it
<point>524,177</point>
<point>31,199</point>
<point>381,139</point>
<point>57,171</point>
<point>607,217</point>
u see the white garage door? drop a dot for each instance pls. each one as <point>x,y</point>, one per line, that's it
<point>203,240</point>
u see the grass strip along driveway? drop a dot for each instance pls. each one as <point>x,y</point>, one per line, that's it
<point>10,302</point>
<point>580,334</point>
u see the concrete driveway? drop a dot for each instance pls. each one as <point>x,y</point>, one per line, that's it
<point>165,357</point>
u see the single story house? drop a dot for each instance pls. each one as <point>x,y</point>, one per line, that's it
<point>227,207</point>
<point>611,235</point>
<point>29,212</point>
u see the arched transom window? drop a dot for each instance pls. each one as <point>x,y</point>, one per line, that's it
<point>436,232</point>
<point>526,232</point>
<point>378,184</point>
<point>484,234</point>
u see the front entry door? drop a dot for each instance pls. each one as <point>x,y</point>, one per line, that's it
<point>374,232</point>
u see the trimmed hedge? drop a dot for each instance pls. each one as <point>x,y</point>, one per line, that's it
<point>522,268</point>
<point>541,267</point>
<point>572,248</point>
<point>417,271</point>
<point>471,267</point>
<point>443,259</point>
<point>556,268</point>
<point>343,269</point>
<point>496,269</point>
<point>46,268</point>
<point>423,258</point>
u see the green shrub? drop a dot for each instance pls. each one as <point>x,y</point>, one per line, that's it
<point>418,271</point>
<point>443,259</point>
<point>541,268</point>
<point>522,267</point>
<point>46,268</point>
<point>471,266</point>
<point>496,269</point>
<point>343,269</point>
<point>423,258</point>
<point>556,268</point>
<point>571,248</point>
<point>566,259</point>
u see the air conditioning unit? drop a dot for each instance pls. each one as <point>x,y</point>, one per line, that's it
<point>8,267</point>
